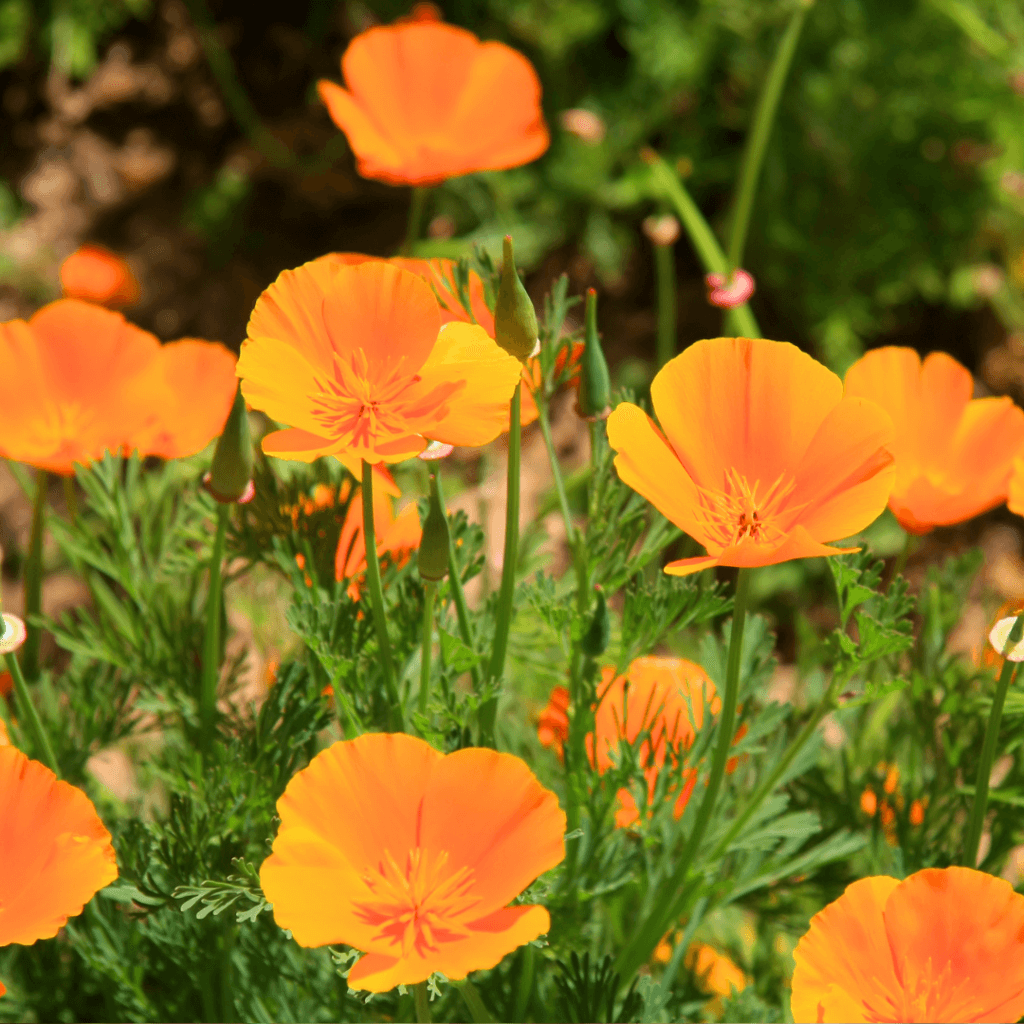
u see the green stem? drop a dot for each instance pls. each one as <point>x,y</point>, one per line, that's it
<point>211,641</point>
<point>503,623</point>
<point>414,226</point>
<point>455,585</point>
<point>665,267</point>
<point>669,186</point>
<point>422,1000</point>
<point>377,602</point>
<point>650,932</point>
<point>28,712</point>
<point>429,589</point>
<point>525,986</point>
<point>477,1010</point>
<point>757,139</point>
<point>34,578</point>
<point>988,749</point>
<point>905,552</point>
<point>72,499</point>
<point>598,440</point>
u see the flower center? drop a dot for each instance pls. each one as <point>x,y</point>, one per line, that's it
<point>419,906</point>
<point>929,994</point>
<point>737,512</point>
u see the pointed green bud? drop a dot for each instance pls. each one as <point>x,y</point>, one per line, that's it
<point>515,320</point>
<point>595,394</point>
<point>599,631</point>
<point>432,558</point>
<point>230,477</point>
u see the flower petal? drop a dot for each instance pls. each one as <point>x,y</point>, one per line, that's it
<point>374,150</point>
<point>278,380</point>
<point>298,445</point>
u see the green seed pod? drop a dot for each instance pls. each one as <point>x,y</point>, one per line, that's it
<point>432,558</point>
<point>515,320</point>
<point>599,632</point>
<point>231,471</point>
<point>595,394</point>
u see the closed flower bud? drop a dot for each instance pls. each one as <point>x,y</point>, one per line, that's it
<point>595,640</point>
<point>515,320</point>
<point>595,392</point>
<point>432,559</point>
<point>230,477</point>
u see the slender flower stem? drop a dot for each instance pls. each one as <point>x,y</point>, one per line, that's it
<point>414,226</point>
<point>377,602</point>
<point>598,440</point>
<point>34,578</point>
<point>429,589</point>
<point>904,553</point>
<point>988,749</point>
<point>524,987</point>
<point>28,712</point>
<point>422,1000</point>
<point>455,585</point>
<point>503,623</point>
<point>670,187</point>
<point>757,139</point>
<point>477,1010</point>
<point>211,641</point>
<point>665,268</point>
<point>650,932</point>
<point>72,499</point>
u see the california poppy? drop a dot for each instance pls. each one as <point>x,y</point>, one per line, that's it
<point>356,360</point>
<point>759,457</point>
<point>95,274</point>
<point>55,853</point>
<point>945,944</point>
<point>954,454</point>
<point>412,856</point>
<point>89,382</point>
<point>427,101</point>
<point>440,275</point>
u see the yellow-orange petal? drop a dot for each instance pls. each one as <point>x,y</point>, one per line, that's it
<point>750,405</point>
<point>478,412</point>
<point>95,274</point>
<point>957,939</point>
<point>488,942</point>
<point>844,959</point>
<point>517,828</point>
<point>55,853</point>
<point>403,534</point>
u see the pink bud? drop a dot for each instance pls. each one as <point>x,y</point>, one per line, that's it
<point>732,294</point>
<point>436,450</point>
<point>585,125</point>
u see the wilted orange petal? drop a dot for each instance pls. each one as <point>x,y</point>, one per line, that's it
<point>95,274</point>
<point>55,853</point>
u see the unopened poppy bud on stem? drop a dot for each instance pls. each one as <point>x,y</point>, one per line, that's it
<point>515,320</point>
<point>432,559</point>
<point>230,476</point>
<point>595,392</point>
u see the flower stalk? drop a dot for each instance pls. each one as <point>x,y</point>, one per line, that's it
<point>477,1010</point>
<point>40,739</point>
<point>665,271</point>
<point>421,998</point>
<point>429,589</point>
<point>34,578</point>
<point>414,226</point>
<point>211,640</point>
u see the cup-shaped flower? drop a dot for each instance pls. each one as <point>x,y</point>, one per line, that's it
<point>954,454</point>
<point>55,853</point>
<point>427,101</point>
<point>759,457</point>
<point>95,274</point>
<point>412,856</point>
<point>82,381</point>
<point>945,944</point>
<point>355,359</point>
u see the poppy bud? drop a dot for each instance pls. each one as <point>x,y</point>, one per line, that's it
<point>594,402</point>
<point>599,632</point>
<point>515,320</point>
<point>432,559</point>
<point>230,476</point>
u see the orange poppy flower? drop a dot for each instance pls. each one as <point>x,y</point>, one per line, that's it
<point>440,275</point>
<point>356,360</point>
<point>553,723</point>
<point>759,457</point>
<point>55,853</point>
<point>412,856</point>
<point>954,454</point>
<point>428,101</point>
<point>95,274</point>
<point>945,944</point>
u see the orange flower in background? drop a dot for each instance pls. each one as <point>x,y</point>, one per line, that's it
<point>355,359</point>
<point>440,275</point>
<point>945,944</point>
<point>759,457</point>
<point>412,856</point>
<point>553,723</point>
<point>95,274</point>
<point>954,454</point>
<point>718,975</point>
<point>89,382</point>
<point>55,853</point>
<point>427,101</point>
